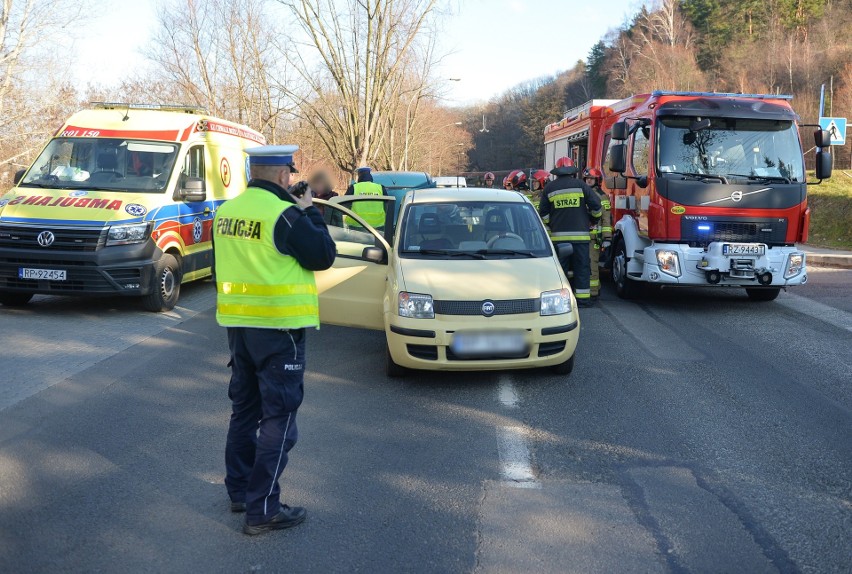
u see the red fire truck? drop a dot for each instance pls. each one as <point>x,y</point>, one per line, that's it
<point>706,188</point>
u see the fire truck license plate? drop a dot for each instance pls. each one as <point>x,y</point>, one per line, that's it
<point>743,249</point>
<point>47,274</point>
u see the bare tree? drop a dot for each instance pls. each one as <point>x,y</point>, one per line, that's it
<point>370,59</point>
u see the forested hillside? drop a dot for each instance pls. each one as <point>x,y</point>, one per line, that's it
<point>748,46</point>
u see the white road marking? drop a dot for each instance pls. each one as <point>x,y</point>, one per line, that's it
<point>508,395</point>
<point>817,310</point>
<point>515,467</point>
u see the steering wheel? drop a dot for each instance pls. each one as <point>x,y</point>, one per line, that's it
<point>494,239</point>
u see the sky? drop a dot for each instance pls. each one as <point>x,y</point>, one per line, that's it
<point>490,45</point>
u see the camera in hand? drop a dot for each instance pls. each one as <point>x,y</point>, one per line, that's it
<point>298,189</point>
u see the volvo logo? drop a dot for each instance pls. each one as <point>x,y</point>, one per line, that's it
<point>737,195</point>
<point>488,308</point>
<point>46,238</point>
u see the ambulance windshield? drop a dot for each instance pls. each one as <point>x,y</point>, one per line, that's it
<point>738,150</point>
<point>103,164</point>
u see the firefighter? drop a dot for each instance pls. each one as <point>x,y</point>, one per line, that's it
<point>539,179</point>
<point>601,234</point>
<point>570,207</point>
<point>489,179</point>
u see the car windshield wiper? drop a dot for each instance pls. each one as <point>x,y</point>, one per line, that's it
<point>448,253</point>
<point>763,178</point>
<point>525,252</point>
<point>698,176</point>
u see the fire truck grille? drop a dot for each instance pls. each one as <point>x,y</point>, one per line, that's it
<point>772,231</point>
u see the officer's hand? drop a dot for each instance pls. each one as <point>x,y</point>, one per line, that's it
<point>306,200</point>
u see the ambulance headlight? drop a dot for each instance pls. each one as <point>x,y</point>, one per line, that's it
<point>795,264</point>
<point>556,302</point>
<point>669,262</point>
<point>125,234</point>
<point>416,306</point>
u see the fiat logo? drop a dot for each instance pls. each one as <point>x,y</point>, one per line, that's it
<point>487,308</point>
<point>45,238</point>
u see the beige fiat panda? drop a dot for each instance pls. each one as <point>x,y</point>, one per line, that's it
<point>464,279</point>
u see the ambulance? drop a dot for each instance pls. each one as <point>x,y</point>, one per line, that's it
<point>121,202</point>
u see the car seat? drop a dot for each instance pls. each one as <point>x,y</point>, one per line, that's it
<point>430,225</point>
<point>495,224</point>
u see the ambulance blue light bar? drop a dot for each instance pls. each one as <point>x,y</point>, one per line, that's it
<point>659,93</point>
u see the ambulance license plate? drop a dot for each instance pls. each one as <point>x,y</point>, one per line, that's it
<point>743,249</point>
<point>42,274</point>
<point>505,344</point>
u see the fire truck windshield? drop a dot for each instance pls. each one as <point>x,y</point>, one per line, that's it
<point>731,148</point>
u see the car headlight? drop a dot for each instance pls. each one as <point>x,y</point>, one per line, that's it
<point>795,264</point>
<point>669,262</point>
<point>124,234</point>
<point>416,306</point>
<point>556,302</point>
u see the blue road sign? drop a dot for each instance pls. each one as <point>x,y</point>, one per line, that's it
<point>836,128</point>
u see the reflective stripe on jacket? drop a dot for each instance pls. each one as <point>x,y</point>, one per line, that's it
<point>257,285</point>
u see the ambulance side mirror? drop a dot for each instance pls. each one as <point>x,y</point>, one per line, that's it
<point>19,175</point>
<point>191,190</point>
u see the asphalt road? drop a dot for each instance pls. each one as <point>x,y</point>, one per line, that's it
<point>699,432</point>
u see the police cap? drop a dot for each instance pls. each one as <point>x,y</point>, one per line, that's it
<point>272,155</point>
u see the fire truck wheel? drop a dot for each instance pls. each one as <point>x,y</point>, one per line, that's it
<point>391,368</point>
<point>12,299</point>
<point>624,287</point>
<point>564,368</point>
<point>166,285</point>
<point>763,294</point>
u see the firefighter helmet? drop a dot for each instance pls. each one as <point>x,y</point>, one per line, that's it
<point>564,166</point>
<point>489,175</point>
<point>592,173</point>
<point>519,179</point>
<point>539,178</point>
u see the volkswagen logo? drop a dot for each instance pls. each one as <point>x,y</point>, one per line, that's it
<point>46,238</point>
<point>487,308</point>
<point>737,196</point>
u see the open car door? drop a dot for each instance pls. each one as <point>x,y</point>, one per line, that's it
<point>380,207</point>
<point>351,292</point>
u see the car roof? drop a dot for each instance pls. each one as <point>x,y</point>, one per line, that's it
<point>456,194</point>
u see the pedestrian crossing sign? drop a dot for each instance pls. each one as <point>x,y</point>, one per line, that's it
<point>836,128</point>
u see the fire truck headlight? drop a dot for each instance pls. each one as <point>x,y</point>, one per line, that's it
<point>556,302</point>
<point>669,262</point>
<point>795,264</point>
<point>124,234</point>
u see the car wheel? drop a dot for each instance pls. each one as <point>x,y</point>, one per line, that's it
<point>564,368</point>
<point>13,299</point>
<point>763,294</point>
<point>624,287</point>
<point>391,368</point>
<point>166,285</point>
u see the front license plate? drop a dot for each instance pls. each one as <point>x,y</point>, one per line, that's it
<point>488,344</point>
<point>44,274</point>
<point>743,249</point>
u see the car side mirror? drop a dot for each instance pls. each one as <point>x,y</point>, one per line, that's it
<point>192,190</point>
<point>823,164</point>
<point>374,254</point>
<point>564,250</point>
<point>618,158</point>
<point>822,138</point>
<point>19,175</point>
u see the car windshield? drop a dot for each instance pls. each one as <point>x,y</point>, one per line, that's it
<point>103,163</point>
<point>730,149</point>
<point>473,229</point>
<point>402,180</point>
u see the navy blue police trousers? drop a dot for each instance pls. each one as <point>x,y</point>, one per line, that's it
<point>266,389</point>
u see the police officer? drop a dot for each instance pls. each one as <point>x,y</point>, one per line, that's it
<point>601,234</point>
<point>569,207</point>
<point>373,212</point>
<point>267,245</point>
